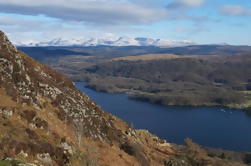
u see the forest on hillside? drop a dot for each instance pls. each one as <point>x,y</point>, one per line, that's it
<point>219,80</point>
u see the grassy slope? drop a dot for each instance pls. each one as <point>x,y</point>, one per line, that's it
<point>147,57</point>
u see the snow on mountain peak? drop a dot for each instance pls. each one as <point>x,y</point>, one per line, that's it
<point>109,41</point>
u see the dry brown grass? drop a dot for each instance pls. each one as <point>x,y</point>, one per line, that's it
<point>6,100</point>
<point>147,57</point>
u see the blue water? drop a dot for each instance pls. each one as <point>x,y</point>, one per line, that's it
<point>209,126</point>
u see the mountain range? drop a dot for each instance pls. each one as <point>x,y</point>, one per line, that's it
<point>110,41</point>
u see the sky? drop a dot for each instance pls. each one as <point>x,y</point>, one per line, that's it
<point>199,21</point>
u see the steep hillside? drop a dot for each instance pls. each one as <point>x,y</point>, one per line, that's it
<point>45,120</point>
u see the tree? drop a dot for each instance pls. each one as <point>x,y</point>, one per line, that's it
<point>79,130</point>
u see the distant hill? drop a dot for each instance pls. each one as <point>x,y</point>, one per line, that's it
<point>208,50</point>
<point>41,53</point>
<point>46,54</point>
<point>176,80</point>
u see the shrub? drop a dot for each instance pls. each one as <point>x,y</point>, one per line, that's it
<point>247,158</point>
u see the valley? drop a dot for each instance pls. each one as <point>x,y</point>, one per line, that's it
<point>180,76</point>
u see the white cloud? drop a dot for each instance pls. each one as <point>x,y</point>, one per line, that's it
<point>185,4</point>
<point>33,28</point>
<point>191,30</point>
<point>11,21</point>
<point>235,10</point>
<point>116,12</point>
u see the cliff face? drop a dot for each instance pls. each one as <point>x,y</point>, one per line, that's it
<point>45,120</point>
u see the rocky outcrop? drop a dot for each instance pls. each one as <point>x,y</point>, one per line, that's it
<point>30,82</point>
<point>6,45</point>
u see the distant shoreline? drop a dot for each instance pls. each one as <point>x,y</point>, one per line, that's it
<point>133,96</point>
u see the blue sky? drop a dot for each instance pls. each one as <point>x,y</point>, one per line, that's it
<point>200,21</point>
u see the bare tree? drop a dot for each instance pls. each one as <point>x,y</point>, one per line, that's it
<point>79,130</point>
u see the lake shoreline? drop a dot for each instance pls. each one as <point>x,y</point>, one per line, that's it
<point>205,125</point>
<point>135,95</point>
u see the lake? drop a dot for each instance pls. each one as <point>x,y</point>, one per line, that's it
<point>216,127</point>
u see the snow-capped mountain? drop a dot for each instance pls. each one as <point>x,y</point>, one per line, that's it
<point>121,41</point>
